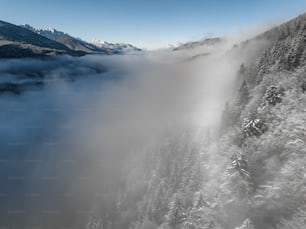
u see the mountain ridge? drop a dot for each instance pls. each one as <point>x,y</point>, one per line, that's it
<point>19,42</point>
<point>78,44</point>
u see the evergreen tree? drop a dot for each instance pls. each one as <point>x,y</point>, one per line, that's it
<point>303,86</point>
<point>242,70</point>
<point>238,179</point>
<point>247,224</point>
<point>244,95</point>
<point>159,203</point>
<point>201,202</point>
<point>230,116</point>
<point>176,214</point>
<point>94,223</point>
<point>273,95</point>
<point>253,126</point>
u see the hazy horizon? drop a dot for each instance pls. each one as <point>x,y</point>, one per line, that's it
<point>149,25</point>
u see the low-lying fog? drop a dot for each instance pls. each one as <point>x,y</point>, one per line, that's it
<point>68,125</point>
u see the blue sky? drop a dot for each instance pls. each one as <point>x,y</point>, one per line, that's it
<point>148,23</point>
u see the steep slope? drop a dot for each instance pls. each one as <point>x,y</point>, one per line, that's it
<point>52,34</point>
<point>79,45</point>
<point>251,174</point>
<point>16,41</point>
<point>266,124</point>
<point>67,40</point>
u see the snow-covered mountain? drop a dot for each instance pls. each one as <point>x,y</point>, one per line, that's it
<point>16,41</point>
<point>71,42</point>
<point>50,33</point>
<point>119,47</point>
<point>78,44</point>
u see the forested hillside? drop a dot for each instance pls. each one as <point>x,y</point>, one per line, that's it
<point>250,173</point>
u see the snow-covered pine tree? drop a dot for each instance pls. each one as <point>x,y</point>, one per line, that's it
<point>201,201</point>
<point>94,223</point>
<point>247,224</point>
<point>273,95</point>
<point>238,179</point>
<point>253,125</point>
<point>159,203</point>
<point>176,214</point>
<point>244,95</point>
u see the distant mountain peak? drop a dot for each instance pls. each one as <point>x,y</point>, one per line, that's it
<point>97,42</point>
<point>50,33</point>
<point>196,44</point>
<point>96,46</point>
<point>17,41</point>
<point>119,47</point>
